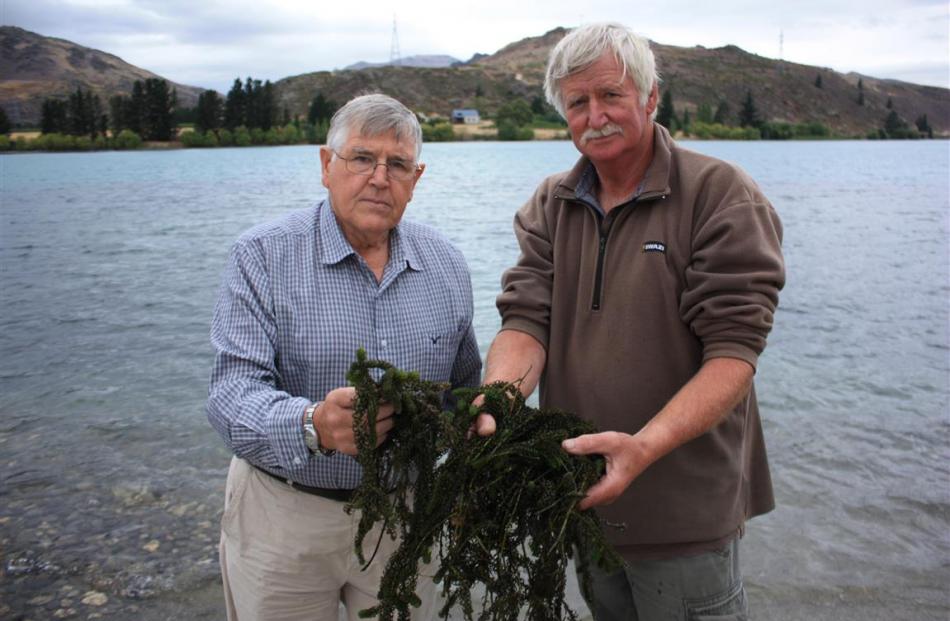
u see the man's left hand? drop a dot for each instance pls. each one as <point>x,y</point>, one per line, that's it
<point>624,464</point>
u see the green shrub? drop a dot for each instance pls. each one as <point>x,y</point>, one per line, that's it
<point>440,132</point>
<point>6,144</point>
<point>718,131</point>
<point>242,138</point>
<point>317,133</point>
<point>289,134</point>
<point>199,139</point>
<point>127,139</point>
<point>225,138</point>
<point>510,131</point>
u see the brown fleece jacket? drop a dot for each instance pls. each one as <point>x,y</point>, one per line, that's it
<point>629,307</point>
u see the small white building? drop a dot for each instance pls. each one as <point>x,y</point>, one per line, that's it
<point>467,116</point>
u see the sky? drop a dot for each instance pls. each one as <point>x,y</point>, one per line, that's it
<point>209,43</point>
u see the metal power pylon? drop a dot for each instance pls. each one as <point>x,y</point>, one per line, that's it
<point>394,56</point>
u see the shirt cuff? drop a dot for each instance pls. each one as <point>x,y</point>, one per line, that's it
<point>730,350</point>
<point>531,328</point>
<point>285,430</point>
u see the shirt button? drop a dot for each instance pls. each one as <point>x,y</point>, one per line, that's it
<point>382,343</point>
<point>297,460</point>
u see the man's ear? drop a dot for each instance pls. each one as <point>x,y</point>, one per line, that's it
<point>653,98</point>
<point>325,156</point>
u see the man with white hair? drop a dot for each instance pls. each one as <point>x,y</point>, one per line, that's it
<point>642,298</point>
<point>299,296</point>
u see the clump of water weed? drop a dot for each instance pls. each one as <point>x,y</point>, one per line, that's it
<point>499,511</point>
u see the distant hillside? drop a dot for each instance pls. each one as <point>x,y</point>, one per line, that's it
<point>425,60</point>
<point>431,91</point>
<point>34,68</point>
<point>782,91</point>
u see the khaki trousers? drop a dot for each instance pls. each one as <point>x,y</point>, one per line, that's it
<point>288,556</point>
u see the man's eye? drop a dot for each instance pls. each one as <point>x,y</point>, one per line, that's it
<point>362,160</point>
<point>399,166</point>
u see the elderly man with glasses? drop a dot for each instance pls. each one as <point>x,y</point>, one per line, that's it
<point>299,296</point>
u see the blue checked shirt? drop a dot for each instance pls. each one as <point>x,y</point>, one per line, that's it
<point>295,304</point>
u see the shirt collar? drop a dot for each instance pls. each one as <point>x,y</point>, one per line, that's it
<point>579,182</point>
<point>335,247</point>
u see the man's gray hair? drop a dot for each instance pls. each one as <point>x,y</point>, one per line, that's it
<point>372,115</point>
<point>584,45</point>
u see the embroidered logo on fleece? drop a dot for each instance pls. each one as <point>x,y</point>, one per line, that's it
<point>654,246</point>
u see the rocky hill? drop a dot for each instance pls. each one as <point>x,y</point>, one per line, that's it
<point>419,60</point>
<point>34,68</point>
<point>782,91</point>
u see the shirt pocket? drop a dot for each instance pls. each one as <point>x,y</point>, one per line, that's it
<point>435,347</point>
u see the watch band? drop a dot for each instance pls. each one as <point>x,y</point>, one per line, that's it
<point>310,436</point>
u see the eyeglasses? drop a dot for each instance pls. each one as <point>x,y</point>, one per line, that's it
<point>396,169</point>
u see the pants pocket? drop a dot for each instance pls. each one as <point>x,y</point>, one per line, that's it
<point>233,491</point>
<point>730,605</point>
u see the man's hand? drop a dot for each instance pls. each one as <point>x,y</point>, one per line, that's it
<point>624,464</point>
<point>334,421</point>
<point>701,404</point>
<point>513,357</point>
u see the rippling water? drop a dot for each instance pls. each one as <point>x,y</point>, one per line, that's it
<point>111,479</point>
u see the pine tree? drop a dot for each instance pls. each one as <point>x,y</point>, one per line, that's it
<point>117,113</point>
<point>923,126</point>
<point>54,116</point>
<point>159,108</point>
<point>666,115</point>
<point>135,109</point>
<point>268,107</point>
<point>722,113</point>
<point>209,113</point>
<point>321,109</point>
<point>894,126</point>
<point>860,92</point>
<point>4,122</point>
<point>704,113</point>
<point>749,115</point>
<point>235,106</point>
<point>818,81</point>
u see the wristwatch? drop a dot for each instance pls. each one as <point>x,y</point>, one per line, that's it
<point>310,436</point>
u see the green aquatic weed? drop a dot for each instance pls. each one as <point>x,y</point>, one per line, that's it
<point>499,511</point>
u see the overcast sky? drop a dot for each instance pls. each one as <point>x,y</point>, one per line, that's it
<point>209,43</point>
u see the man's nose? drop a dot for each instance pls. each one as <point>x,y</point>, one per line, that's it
<point>380,174</point>
<point>596,114</point>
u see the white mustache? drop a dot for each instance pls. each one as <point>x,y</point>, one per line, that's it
<point>607,130</point>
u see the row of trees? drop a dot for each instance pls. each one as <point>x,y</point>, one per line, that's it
<point>752,124</point>
<point>147,112</point>
<point>250,104</point>
<point>79,115</point>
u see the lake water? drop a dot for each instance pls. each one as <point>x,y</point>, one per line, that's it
<point>111,479</point>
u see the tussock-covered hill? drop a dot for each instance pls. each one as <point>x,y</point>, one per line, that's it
<point>34,68</point>
<point>782,91</point>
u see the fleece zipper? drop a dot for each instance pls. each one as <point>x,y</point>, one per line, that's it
<point>604,231</point>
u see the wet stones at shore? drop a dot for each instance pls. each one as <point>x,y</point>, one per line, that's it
<point>104,553</point>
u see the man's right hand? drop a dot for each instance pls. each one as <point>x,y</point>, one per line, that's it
<point>334,421</point>
<point>485,423</point>
<point>513,357</point>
